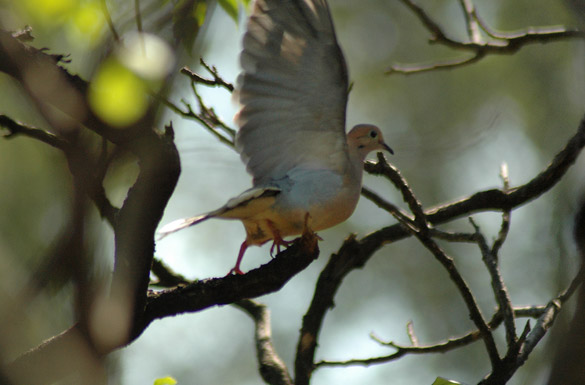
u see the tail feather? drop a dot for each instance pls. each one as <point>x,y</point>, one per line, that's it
<point>181,224</point>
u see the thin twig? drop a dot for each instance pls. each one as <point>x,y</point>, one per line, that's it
<point>190,114</point>
<point>503,43</point>
<point>137,15</point>
<point>453,237</point>
<point>216,81</point>
<point>441,347</point>
<point>498,286</point>
<point>15,128</point>
<point>423,235</point>
<point>210,116</point>
<point>396,212</point>
<point>473,28</point>
<point>92,182</point>
<point>436,31</point>
<point>506,215</point>
<point>532,336</point>
<point>109,20</point>
<point>166,277</point>
<point>438,65</point>
<point>411,334</point>
<point>382,167</point>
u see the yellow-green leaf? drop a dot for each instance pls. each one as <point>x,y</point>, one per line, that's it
<point>49,12</point>
<point>87,23</point>
<point>165,381</point>
<point>117,95</point>
<point>200,13</point>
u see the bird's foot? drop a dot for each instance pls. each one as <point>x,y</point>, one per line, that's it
<point>235,270</point>
<point>277,242</point>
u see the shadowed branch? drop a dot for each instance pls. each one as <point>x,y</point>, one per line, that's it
<point>477,47</point>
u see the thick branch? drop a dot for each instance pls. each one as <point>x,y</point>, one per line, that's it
<point>205,293</point>
<point>135,223</point>
<point>41,76</point>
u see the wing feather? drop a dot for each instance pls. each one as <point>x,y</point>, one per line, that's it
<point>292,91</point>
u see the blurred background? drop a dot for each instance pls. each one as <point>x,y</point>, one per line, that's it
<point>450,130</point>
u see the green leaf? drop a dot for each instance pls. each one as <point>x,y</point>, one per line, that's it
<point>165,381</point>
<point>200,13</point>
<point>231,8</point>
<point>117,95</point>
<point>443,381</point>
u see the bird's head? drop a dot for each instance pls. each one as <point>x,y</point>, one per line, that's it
<point>365,138</point>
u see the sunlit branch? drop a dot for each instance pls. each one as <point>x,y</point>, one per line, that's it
<point>271,367</point>
<point>216,81</point>
<point>473,27</point>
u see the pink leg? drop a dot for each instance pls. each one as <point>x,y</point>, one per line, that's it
<point>236,268</point>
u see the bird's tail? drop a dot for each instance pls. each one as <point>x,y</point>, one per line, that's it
<point>181,224</point>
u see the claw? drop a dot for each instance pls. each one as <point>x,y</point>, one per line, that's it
<point>277,240</point>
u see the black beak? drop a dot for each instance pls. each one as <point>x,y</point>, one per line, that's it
<point>387,148</point>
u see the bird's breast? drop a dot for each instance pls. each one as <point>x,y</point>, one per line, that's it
<point>328,196</point>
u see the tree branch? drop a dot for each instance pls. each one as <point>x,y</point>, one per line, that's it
<point>205,293</point>
<point>441,347</point>
<point>217,80</point>
<point>423,234</point>
<point>77,160</point>
<point>137,219</point>
<point>503,43</point>
<point>271,367</point>
<point>500,291</point>
<point>15,128</point>
<point>355,253</point>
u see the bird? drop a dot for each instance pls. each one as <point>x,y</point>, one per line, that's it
<point>292,95</point>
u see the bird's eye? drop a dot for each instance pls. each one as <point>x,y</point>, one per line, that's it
<point>373,134</point>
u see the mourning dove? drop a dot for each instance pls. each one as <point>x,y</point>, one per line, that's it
<point>307,173</point>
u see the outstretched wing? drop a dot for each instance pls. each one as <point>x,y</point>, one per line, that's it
<point>292,91</point>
